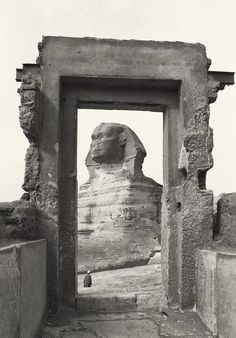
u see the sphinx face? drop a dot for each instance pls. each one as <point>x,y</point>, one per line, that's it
<point>106,146</point>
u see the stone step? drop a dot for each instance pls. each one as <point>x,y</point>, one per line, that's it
<point>130,289</point>
<point>119,302</point>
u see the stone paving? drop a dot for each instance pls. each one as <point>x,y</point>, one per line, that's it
<point>170,323</point>
<point>111,308</point>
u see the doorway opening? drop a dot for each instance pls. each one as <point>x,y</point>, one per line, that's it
<point>119,218</point>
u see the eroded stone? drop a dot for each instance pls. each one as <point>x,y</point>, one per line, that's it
<point>216,290</point>
<point>170,77</point>
<point>119,208</point>
<point>226,219</point>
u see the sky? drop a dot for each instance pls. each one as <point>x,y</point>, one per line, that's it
<point>24,22</point>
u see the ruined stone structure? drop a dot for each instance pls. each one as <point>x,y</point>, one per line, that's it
<point>226,220</point>
<point>119,208</point>
<point>159,76</point>
<point>168,77</point>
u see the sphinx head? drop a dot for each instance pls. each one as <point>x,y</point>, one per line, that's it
<point>108,143</point>
<point>115,143</point>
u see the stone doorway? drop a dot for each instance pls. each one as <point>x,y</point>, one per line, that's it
<point>116,94</point>
<point>171,77</point>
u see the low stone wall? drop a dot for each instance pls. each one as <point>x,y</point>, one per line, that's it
<point>18,220</point>
<point>216,291</point>
<point>22,289</point>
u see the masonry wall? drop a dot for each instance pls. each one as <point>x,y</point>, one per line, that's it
<point>22,289</point>
<point>216,291</point>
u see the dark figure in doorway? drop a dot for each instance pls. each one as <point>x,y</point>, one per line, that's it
<point>87,280</point>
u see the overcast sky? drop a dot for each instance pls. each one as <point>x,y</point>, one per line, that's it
<point>24,22</point>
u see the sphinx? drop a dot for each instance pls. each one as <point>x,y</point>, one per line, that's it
<point>119,208</point>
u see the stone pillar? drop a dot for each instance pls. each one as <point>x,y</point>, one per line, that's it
<point>39,181</point>
<point>187,205</point>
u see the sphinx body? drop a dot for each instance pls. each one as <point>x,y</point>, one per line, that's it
<point>119,208</point>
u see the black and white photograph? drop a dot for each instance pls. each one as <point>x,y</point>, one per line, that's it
<point>117,174</point>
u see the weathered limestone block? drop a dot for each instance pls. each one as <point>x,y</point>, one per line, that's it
<point>5,209</point>
<point>195,156</point>
<point>29,108</point>
<point>216,291</point>
<point>119,208</point>
<point>31,179</point>
<point>187,210</point>
<point>226,219</point>
<point>23,287</point>
<point>30,117</point>
<point>19,220</point>
<point>206,288</point>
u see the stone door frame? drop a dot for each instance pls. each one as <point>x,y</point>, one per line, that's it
<point>160,76</point>
<point>104,93</point>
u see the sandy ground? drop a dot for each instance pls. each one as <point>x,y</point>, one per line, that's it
<point>137,279</point>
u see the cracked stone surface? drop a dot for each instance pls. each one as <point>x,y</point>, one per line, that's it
<point>170,323</point>
<point>226,219</point>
